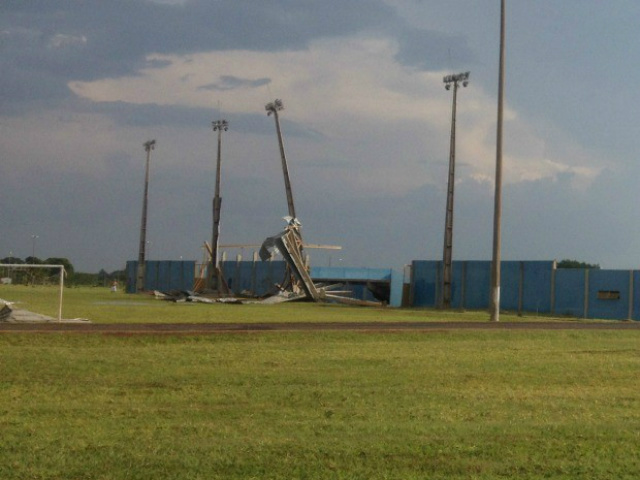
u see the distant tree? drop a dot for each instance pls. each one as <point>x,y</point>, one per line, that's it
<point>12,260</point>
<point>119,275</point>
<point>103,277</point>
<point>576,264</point>
<point>33,261</point>
<point>61,261</point>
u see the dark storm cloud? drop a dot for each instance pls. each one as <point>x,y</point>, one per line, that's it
<point>45,44</point>
<point>229,82</point>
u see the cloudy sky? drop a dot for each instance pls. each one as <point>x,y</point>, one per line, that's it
<point>85,83</point>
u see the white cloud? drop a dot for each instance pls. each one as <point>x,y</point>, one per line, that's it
<point>381,119</point>
<point>61,40</point>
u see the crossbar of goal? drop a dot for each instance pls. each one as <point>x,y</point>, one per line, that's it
<point>63,272</point>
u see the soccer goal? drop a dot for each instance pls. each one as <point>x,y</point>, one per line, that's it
<point>36,289</point>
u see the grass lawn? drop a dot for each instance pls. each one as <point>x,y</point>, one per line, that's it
<point>334,405</point>
<point>102,306</point>
<point>313,405</point>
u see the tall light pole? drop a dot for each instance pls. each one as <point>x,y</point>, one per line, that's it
<point>148,146</point>
<point>274,107</point>
<point>445,300</point>
<point>33,247</point>
<point>218,126</point>
<point>497,212</point>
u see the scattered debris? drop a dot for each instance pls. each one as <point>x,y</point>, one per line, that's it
<point>9,314</point>
<point>182,296</point>
<point>300,285</point>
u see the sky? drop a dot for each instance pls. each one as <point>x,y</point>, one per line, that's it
<point>366,127</point>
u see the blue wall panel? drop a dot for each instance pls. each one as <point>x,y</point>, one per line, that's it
<point>636,295</point>
<point>397,284</point>
<point>457,278</point>
<point>569,294</point>
<point>163,275</point>
<point>478,285</point>
<point>509,285</point>
<point>258,278</point>
<point>536,293</point>
<point>471,284</point>
<point>131,276</point>
<point>608,280</point>
<point>424,283</point>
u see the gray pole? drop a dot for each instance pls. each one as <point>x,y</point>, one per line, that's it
<point>275,107</point>
<point>497,213</point>
<point>33,249</point>
<point>218,126</point>
<point>445,301</point>
<point>148,146</point>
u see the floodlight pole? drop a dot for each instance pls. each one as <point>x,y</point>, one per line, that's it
<point>497,213</point>
<point>274,107</point>
<point>148,146</point>
<point>33,247</point>
<point>218,126</point>
<point>445,299</point>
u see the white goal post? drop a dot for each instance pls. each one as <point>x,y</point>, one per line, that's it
<point>11,270</point>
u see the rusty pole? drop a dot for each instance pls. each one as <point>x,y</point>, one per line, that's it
<point>447,256</point>
<point>148,146</point>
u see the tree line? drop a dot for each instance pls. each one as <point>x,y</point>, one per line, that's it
<point>102,278</point>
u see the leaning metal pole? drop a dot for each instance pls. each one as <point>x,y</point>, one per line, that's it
<point>218,126</point>
<point>445,299</point>
<point>274,107</point>
<point>148,146</point>
<point>497,213</point>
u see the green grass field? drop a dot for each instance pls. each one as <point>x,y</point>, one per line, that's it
<point>99,305</point>
<point>311,405</point>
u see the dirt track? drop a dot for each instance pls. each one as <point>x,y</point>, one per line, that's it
<point>211,328</point>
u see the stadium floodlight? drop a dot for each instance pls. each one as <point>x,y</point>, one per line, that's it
<point>274,107</point>
<point>213,272</point>
<point>33,246</point>
<point>447,256</point>
<point>148,146</point>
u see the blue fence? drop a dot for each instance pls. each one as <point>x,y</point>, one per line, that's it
<point>531,286</point>
<point>163,275</point>
<point>526,286</point>
<point>262,278</point>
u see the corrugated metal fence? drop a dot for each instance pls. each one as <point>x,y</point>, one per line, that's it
<point>532,286</point>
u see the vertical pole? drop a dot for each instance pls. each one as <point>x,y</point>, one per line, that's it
<point>213,276</point>
<point>148,146</point>
<point>274,108</point>
<point>497,213</point>
<point>586,293</point>
<point>630,313</point>
<point>285,170</point>
<point>553,287</point>
<point>448,222</point>
<point>62,274</point>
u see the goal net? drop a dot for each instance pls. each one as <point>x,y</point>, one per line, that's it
<point>32,289</point>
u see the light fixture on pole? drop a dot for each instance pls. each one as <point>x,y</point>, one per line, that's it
<point>218,126</point>
<point>148,146</point>
<point>497,212</point>
<point>445,298</point>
